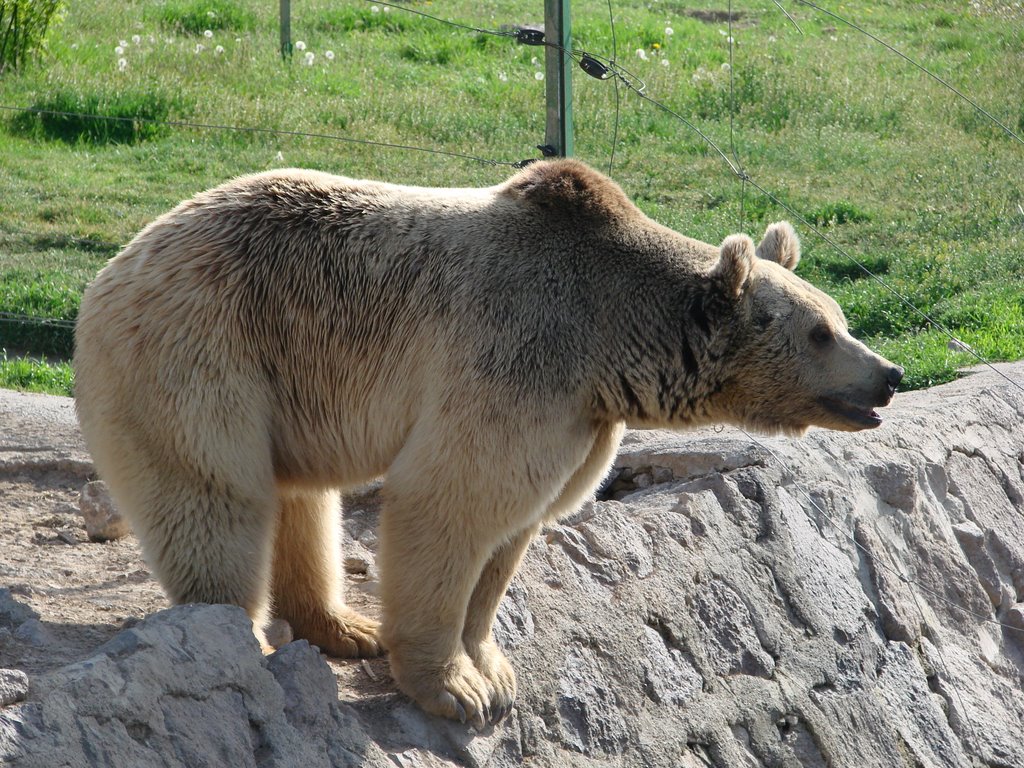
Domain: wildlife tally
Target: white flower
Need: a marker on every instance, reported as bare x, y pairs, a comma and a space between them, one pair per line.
218, 50
119, 51
538, 75
669, 31
208, 34
299, 45
641, 54
329, 55
122, 65
136, 39
200, 47
308, 58
503, 77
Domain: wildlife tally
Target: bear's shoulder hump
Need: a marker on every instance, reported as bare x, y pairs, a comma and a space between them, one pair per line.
572, 187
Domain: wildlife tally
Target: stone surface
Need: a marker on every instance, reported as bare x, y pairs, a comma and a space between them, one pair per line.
103, 521
844, 600
13, 686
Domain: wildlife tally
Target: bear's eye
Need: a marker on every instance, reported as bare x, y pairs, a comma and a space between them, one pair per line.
821, 335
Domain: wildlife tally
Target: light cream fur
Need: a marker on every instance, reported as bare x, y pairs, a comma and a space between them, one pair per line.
292, 333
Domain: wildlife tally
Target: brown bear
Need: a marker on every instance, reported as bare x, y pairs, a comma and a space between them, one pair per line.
292, 333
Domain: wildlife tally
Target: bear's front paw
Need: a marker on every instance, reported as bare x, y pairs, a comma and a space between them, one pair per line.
456, 691
496, 669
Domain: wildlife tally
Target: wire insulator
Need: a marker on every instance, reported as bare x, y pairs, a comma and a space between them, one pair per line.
529, 36
594, 68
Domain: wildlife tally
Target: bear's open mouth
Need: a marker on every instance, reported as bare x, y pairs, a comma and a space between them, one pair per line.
862, 416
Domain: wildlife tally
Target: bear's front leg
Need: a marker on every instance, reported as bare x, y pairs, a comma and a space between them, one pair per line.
431, 558
483, 607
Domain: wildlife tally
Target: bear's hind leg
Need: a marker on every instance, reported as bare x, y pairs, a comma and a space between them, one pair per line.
483, 607
307, 582
206, 539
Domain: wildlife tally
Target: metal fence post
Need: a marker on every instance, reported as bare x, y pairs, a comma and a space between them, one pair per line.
286, 29
558, 77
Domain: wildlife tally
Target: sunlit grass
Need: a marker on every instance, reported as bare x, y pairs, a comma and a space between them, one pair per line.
910, 181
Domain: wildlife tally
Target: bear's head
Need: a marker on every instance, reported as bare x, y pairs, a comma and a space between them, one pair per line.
793, 362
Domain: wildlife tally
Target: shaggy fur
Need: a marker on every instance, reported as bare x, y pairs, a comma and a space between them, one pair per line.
293, 333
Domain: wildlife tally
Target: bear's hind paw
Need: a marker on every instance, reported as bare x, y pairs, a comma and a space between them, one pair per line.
341, 633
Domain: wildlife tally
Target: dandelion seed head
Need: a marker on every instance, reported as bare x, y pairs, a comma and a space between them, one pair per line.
119, 51
122, 65
329, 55
136, 39
669, 31
374, 9
218, 50
538, 75
300, 45
122, 43
664, 62
208, 34
641, 54
503, 77
308, 58
200, 47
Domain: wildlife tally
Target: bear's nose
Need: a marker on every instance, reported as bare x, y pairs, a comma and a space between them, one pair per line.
895, 376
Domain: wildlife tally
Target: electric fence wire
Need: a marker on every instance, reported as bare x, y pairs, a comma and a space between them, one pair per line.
603, 69
732, 114
261, 130
612, 70
615, 85
921, 67
55, 322
878, 562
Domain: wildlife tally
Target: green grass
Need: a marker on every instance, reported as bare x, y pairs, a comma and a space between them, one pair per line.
35, 375
909, 180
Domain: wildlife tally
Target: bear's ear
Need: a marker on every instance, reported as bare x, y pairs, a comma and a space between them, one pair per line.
734, 264
780, 244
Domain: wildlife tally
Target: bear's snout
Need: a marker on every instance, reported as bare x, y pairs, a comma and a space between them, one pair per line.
894, 377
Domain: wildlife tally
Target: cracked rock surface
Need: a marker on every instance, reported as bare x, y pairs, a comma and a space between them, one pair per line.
841, 600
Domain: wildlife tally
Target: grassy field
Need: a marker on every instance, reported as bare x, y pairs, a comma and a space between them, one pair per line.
906, 178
